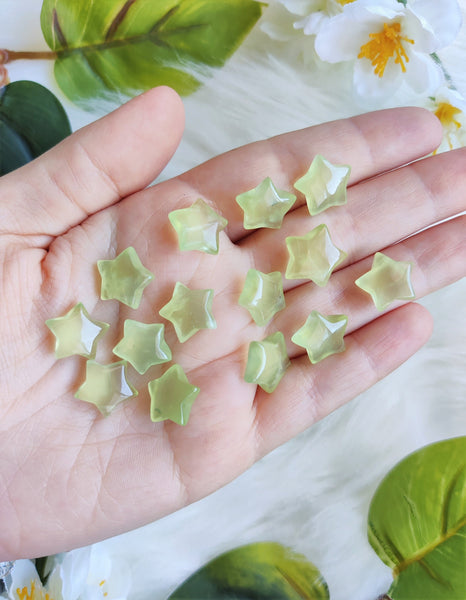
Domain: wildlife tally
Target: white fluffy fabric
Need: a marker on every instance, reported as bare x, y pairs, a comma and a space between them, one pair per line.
313, 493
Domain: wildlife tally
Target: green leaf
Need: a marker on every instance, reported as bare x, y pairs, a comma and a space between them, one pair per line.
259, 571
32, 120
111, 48
417, 523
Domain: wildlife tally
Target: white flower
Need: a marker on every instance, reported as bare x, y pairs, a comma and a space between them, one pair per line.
390, 43
84, 574
449, 107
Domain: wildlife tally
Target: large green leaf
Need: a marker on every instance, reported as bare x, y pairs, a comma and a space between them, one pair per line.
262, 571
109, 48
417, 523
32, 120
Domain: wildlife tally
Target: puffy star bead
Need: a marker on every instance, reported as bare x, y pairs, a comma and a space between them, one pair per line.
265, 205
189, 311
172, 396
388, 280
267, 362
124, 278
313, 256
76, 333
262, 295
143, 345
324, 185
321, 335
106, 386
198, 227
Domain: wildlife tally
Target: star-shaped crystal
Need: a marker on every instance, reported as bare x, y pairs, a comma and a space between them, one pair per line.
267, 362
265, 205
321, 335
324, 185
262, 295
388, 280
76, 333
313, 256
198, 227
106, 386
172, 396
124, 278
189, 311
143, 345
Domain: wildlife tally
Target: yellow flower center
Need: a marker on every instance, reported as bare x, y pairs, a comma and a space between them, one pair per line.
446, 114
382, 46
343, 2
30, 593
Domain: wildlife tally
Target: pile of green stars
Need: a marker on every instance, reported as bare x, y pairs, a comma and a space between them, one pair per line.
312, 256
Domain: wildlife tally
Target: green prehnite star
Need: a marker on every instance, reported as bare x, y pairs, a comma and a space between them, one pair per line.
313, 256
189, 311
265, 205
388, 280
262, 295
321, 335
143, 345
324, 185
76, 333
172, 396
124, 278
106, 386
267, 362
198, 227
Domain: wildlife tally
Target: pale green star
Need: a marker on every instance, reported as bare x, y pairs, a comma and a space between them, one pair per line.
262, 295
321, 335
388, 280
172, 396
198, 227
124, 278
106, 386
76, 333
189, 311
143, 345
324, 185
313, 256
265, 205
267, 362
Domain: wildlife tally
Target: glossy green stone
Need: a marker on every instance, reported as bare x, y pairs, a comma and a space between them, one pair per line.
313, 256
388, 280
189, 311
262, 295
267, 362
106, 386
265, 205
76, 333
321, 335
198, 227
124, 278
143, 345
172, 396
324, 185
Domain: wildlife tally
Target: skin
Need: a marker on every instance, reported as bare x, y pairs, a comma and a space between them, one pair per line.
68, 476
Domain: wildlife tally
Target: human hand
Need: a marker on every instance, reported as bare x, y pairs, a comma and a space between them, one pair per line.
68, 476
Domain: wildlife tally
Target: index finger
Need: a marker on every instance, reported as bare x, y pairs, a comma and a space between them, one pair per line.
370, 143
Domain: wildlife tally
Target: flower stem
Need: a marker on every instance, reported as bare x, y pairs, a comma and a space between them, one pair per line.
435, 57
7, 56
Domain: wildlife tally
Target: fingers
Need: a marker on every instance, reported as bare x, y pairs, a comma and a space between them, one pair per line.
307, 392
379, 212
437, 255
370, 143
94, 168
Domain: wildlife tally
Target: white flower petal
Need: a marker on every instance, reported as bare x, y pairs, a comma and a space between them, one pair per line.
312, 24
453, 97
444, 17
368, 84
422, 74
303, 7
341, 38
73, 571
24, 573
417, 29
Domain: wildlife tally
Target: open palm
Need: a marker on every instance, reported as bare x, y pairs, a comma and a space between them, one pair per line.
68, 476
